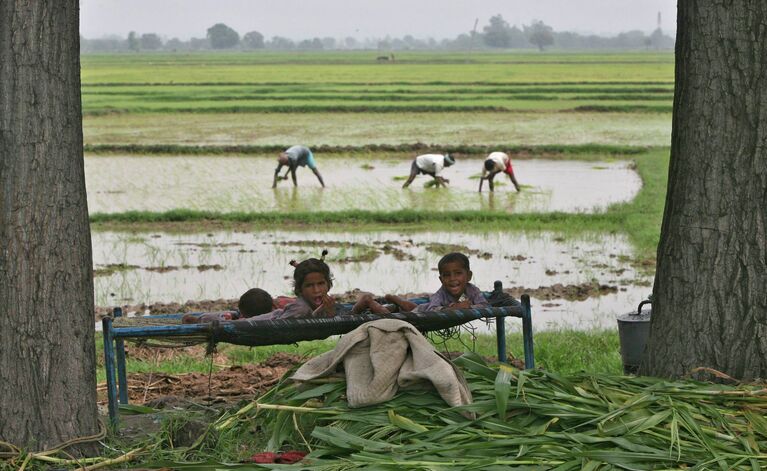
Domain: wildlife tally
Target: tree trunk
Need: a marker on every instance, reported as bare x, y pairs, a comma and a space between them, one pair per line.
710, 293
47, 351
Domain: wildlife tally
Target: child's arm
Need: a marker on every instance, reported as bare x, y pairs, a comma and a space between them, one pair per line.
366, 302
465, 304
327, 308
475, 297
403, 304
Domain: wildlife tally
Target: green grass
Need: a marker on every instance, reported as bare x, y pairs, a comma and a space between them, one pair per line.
370, 129
343, 82
371, 98
381, 151
360, 67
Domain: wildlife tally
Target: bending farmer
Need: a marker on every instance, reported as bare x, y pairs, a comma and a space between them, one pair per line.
496, 163
430, 164
294, 157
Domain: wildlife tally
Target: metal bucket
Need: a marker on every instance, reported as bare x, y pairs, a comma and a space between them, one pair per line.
633, 331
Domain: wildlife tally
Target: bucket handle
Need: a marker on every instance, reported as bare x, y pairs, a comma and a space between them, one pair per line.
639, 309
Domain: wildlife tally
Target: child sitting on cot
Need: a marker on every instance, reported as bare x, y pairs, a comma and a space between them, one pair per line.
311, 282
456, 291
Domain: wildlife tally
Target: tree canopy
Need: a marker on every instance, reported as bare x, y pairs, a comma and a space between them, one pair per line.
253, 40
222, 37
540, 34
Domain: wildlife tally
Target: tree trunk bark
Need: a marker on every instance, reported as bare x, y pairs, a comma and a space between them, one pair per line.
710, 293
47, 351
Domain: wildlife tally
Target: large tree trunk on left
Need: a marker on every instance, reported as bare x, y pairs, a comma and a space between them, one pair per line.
47, 351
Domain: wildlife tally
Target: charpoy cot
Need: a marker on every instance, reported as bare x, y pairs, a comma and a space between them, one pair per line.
261, 332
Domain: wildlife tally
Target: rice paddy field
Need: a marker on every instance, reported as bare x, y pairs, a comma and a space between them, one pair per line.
186, 142
180, 151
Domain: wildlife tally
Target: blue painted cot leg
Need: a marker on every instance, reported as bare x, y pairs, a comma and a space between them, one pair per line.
500, 337
122, 377
527, 332
500, 327
109, 368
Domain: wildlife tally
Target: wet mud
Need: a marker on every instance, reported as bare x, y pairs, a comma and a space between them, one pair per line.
594, 276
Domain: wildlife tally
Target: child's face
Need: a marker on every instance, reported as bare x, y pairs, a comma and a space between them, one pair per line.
314, 287
454, 278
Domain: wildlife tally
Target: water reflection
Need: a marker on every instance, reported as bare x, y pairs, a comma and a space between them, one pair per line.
158, 183
164, 267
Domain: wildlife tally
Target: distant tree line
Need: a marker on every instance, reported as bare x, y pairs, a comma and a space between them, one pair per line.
497, 34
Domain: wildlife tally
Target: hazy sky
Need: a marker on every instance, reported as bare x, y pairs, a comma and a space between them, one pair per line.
301, 19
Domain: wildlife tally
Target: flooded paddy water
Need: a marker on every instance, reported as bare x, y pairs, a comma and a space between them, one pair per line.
585, 281
230, 183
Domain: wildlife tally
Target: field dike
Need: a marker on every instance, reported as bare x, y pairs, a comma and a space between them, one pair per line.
516, 151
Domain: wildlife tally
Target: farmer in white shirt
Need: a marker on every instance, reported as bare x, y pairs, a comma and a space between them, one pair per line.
496, 163
430, 164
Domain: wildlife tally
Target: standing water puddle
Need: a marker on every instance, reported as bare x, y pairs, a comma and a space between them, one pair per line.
163, 267
152, 183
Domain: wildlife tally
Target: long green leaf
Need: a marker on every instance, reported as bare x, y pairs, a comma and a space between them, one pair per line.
503, 389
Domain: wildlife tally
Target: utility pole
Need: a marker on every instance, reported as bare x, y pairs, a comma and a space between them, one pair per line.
473, 35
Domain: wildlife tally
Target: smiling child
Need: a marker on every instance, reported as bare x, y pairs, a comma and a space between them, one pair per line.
456, 291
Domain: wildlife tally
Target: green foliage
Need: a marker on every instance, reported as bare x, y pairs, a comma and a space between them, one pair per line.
222, 36
540, 34
253, 40
532, 418
497, 33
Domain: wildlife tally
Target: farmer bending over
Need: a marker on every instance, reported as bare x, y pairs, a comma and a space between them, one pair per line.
294, 157
496, 163
430, 164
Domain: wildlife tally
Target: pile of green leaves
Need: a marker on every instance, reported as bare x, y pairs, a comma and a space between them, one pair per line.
534, 419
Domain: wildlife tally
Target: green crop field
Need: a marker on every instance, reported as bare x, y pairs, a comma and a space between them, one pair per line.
531, 104
348, 99
354, 82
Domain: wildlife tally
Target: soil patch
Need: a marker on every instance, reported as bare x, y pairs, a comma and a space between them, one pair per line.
579, 292
226, 385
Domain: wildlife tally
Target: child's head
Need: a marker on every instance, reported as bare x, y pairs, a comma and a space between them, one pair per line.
312, 279
255, 302
454, 273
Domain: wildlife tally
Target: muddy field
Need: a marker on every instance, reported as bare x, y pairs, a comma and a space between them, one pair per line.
224, 183
579, 283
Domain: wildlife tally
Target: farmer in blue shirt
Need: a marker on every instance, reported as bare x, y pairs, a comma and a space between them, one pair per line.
294, 157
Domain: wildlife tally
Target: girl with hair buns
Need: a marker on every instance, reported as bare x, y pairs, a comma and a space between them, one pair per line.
311, 283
